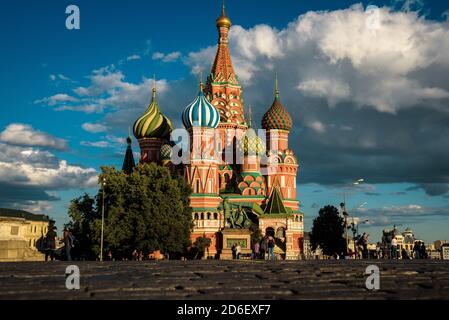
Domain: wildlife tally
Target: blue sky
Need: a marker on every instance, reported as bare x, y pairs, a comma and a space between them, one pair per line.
126, 42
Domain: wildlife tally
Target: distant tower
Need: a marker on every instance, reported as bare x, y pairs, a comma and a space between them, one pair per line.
128, 162
152, 130
282, 163
201, 119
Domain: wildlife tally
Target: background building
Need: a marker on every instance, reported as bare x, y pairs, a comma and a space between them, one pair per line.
21, 235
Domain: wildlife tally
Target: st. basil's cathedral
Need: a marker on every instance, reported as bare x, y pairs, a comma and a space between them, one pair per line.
230, 198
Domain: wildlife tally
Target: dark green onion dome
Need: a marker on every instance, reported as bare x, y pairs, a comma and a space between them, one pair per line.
166, 152
277, 117
153, 124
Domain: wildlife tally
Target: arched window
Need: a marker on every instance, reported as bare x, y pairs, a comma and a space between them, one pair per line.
208, 216
215, 215
300, 218
202, 216
196, 215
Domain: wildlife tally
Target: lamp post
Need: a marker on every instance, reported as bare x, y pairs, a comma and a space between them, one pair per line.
345, 212
103, 184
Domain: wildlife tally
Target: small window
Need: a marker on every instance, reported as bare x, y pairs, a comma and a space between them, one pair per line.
215, 216
14, 230
196, 216
208, 216
202, 216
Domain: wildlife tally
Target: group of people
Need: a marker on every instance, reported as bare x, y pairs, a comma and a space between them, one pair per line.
265, 246
419, 251
259, 251
50, 244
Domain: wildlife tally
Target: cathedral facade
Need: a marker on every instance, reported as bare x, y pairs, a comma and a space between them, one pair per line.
241, 178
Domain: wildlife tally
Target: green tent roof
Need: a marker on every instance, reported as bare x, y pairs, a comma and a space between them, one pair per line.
275, 204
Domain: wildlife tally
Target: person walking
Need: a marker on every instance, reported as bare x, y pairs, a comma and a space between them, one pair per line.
256, 250
233, 249
68, 239
422, 251
416, 250
262, 249
271, 245
50, 243
394, 248
238, 250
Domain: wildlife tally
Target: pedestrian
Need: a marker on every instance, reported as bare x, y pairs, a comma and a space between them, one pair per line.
416, 250
256, 250
271, 245
238, 250
423, 252
394, 248
68, 243
262, 249
233, 249
50, 243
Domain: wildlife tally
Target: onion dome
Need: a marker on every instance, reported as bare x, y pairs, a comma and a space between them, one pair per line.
251, 144
223, 20
277, 117
153, 124
166, 152
200, 113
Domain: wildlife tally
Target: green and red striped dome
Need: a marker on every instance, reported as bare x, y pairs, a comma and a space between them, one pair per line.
277, 117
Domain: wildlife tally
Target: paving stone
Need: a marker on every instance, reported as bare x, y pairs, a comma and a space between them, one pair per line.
228, 280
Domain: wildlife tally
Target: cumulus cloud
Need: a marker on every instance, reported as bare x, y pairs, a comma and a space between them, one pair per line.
133, 57
169, 57
25, 135
29, 176
60, 98
336, 55
94, 127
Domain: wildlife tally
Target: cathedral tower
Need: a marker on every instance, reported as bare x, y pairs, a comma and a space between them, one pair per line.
201, 119
152, 130
282, 164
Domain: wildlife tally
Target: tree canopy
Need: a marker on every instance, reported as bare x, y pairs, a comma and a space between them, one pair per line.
145, 211
327, 231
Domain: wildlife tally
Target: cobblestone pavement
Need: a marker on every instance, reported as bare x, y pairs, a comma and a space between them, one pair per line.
330, 279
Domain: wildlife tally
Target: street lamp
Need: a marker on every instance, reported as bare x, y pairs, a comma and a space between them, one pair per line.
345, 212
103, 184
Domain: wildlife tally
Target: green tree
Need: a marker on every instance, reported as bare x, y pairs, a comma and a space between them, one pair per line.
145, 211
84, 219
327, 231
201, 244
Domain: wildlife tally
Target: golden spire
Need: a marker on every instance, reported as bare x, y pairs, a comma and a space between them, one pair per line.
250, 117
201, 81
223, 20
154, 86
276, 92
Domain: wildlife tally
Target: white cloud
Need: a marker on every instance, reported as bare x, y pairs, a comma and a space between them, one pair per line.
60, 98
339, 57
94, 127
317, 126
24, 135
169, 57
96, 144
86, 108
133, 57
